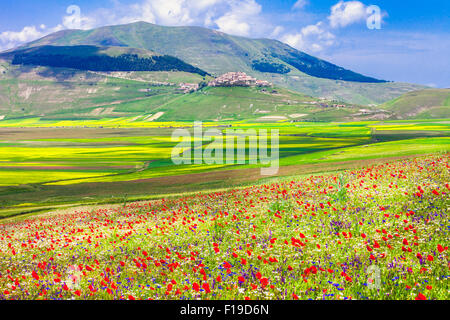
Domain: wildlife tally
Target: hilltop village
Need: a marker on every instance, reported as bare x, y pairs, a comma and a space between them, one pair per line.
241, 79
230, 79
237, 79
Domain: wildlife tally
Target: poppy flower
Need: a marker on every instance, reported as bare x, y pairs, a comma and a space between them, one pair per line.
35, 275
420, 296
196, 287
205, 287
264, 282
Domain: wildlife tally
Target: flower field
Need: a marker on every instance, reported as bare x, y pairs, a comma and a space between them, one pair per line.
380, 232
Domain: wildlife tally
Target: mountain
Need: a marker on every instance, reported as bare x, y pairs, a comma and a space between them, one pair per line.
214, 51
217, 53
422, 104
95, 58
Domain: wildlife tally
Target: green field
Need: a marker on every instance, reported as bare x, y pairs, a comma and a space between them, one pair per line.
49, 163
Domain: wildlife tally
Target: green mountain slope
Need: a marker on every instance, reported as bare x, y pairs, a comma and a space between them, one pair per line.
423, 104
96, 58
69, 94
217, 53
44, 91
239, 103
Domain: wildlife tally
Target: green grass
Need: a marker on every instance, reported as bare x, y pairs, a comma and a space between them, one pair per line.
423, 104
44, 166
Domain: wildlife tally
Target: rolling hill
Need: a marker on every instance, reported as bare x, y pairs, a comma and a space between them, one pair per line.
422, 104
70, 94
96, 58
217, 53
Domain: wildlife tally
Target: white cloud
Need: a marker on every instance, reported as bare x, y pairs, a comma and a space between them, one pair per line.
238, 17
300, 4
345, 13
11, 39
241, 17
276, 32
320, 36
76, 20
167, 12
312, 38
73, 20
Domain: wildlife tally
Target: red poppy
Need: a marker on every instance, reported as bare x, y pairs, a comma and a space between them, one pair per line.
420, 296
35, 275
205, 286
264, 282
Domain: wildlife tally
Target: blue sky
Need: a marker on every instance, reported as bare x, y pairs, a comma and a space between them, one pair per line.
412, 45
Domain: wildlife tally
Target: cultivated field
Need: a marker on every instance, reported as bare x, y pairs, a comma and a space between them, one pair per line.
48, 164
380, 232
